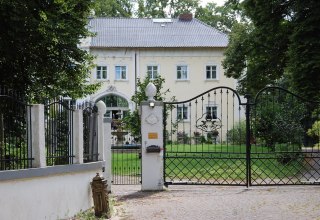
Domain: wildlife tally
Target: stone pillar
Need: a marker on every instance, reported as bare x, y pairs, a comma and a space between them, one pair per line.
78, 136
107, 152
101, 111
152, 142
38, 136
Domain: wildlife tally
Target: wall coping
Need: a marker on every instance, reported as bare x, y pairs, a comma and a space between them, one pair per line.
48, 171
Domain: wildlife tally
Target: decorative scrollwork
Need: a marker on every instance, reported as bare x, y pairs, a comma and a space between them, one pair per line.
207, 123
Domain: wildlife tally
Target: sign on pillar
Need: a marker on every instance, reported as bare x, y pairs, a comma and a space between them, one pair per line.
152, 142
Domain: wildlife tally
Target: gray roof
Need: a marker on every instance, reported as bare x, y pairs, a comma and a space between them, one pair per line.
145, 32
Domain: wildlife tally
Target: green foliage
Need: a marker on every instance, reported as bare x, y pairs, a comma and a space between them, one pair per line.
39, 47
278, 41
140, 95
165, 8
304, 49
286, 154
222, 18
314, 131
183, 138
279, 120
152, 8
113, 8
58, 133
178, 7
132, 120
237, 135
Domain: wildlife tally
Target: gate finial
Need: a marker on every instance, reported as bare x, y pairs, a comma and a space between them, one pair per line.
102, 108
151, 91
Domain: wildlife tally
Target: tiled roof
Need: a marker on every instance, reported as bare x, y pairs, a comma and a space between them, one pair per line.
144, 32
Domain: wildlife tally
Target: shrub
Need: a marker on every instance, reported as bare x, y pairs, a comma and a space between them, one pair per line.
183, 137
237, 135
287, 153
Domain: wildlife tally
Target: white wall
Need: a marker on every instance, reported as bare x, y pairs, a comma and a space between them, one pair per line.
53, 196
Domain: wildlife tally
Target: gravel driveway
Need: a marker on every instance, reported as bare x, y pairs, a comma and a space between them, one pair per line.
217, 202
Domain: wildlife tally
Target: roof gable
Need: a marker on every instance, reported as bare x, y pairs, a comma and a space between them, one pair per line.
144, 32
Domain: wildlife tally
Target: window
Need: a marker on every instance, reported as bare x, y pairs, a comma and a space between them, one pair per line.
182, 113
152, 71
211, 72
121, 72
212, 112
102, 72
182, 72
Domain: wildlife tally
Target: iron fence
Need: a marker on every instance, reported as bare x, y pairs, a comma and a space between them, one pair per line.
282, 150
126, 155
90, 133
15, 131
219, 138
204, 142
59, 133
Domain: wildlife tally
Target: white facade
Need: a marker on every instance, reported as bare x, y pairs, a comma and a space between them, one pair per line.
167, 61
187, 53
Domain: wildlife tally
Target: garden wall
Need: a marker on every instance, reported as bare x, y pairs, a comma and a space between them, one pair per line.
53, 193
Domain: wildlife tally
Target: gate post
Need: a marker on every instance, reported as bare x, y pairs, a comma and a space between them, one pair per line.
248, 144
152, 142
38, 136
107, 174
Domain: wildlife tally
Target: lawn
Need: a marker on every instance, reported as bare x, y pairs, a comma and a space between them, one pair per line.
210, 163
126, 162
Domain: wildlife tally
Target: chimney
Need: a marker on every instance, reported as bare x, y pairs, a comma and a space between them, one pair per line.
185, 17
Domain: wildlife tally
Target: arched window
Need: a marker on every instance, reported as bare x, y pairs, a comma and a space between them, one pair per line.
117, 106
114, 101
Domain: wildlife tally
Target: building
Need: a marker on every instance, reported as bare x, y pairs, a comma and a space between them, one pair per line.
185, 51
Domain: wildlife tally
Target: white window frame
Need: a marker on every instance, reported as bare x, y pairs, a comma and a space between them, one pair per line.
217, 72
152, 71
182, 72
216, 110
126, 72
101, 72
183, 108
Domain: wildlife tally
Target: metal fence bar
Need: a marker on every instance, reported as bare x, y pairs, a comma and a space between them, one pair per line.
59, 133
126, 155
15, 127
202, 143
277, 143
90, 134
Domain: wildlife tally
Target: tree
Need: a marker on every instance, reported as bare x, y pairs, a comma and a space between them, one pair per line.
220, 17
132, 120
165, 8
113, 8
269, 46
178, 7
304, 49
152, 8
39, 51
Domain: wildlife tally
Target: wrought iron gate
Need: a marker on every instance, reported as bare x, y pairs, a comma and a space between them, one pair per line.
220, 138
126, 155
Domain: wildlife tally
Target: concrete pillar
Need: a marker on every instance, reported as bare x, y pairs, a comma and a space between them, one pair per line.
101, 111
107, 152
78, 136
152, 135
38, 136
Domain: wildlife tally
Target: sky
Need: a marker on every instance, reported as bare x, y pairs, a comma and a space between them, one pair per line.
218, 2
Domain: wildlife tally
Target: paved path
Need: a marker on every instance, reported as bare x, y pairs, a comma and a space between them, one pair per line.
217, 202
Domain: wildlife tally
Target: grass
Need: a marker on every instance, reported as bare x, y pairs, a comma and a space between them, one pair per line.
126, 162
209, 162
89, 214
